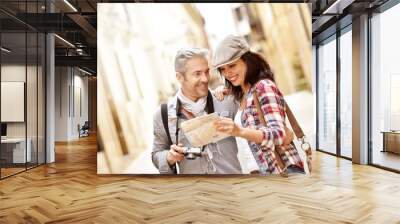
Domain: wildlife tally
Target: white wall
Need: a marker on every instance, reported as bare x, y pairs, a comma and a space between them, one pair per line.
12, 73
80, 103
33, 126
71, 94
62, 81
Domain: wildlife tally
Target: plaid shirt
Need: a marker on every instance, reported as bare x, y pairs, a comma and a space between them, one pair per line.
272, 104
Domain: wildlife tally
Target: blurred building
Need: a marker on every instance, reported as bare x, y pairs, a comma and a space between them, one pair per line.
282, 34
136, 63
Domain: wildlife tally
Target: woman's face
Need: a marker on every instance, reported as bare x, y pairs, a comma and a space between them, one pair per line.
235, 72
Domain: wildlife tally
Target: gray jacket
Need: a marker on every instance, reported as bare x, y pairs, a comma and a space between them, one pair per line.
224, 152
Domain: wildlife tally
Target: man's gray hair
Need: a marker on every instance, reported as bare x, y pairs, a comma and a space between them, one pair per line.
185, 54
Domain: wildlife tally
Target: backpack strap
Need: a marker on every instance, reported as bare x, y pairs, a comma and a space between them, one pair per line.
164, 117
210, 104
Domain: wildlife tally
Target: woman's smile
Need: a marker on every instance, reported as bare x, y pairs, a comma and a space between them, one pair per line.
233, 78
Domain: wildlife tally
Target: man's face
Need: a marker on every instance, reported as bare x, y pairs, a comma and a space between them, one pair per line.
195, 80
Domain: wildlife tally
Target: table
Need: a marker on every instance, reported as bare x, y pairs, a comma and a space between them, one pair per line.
391, 141
16, 147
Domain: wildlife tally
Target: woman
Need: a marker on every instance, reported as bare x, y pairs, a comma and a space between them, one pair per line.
248, 75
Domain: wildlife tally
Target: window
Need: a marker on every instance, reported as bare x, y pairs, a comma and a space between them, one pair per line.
385, 89
327, 95
346, 92
22, 65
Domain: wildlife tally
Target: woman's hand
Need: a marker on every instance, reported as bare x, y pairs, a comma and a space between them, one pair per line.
227, 126
220, 92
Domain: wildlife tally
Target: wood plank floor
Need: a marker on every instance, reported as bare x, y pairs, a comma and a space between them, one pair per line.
70, 191
10, 171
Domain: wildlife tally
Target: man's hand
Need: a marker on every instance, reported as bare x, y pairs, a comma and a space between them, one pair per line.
175, 154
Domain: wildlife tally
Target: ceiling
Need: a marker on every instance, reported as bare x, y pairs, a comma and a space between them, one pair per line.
76, 22
328, 16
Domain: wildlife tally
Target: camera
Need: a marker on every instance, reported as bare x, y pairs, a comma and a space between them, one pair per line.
191, 153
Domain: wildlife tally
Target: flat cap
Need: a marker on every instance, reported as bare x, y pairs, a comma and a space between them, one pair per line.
229, 50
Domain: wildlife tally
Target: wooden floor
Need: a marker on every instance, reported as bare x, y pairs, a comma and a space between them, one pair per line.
70, 191
388, 159
10, 171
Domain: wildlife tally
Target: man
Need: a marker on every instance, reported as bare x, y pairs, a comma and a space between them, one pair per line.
192, 100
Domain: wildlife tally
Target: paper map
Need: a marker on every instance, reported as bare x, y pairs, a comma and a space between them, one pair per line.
201, 131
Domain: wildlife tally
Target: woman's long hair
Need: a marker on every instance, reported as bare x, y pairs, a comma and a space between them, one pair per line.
257, 69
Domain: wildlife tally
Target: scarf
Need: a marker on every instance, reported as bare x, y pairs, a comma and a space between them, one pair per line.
196, 108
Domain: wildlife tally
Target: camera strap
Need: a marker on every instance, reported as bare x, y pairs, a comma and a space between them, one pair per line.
164, 114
